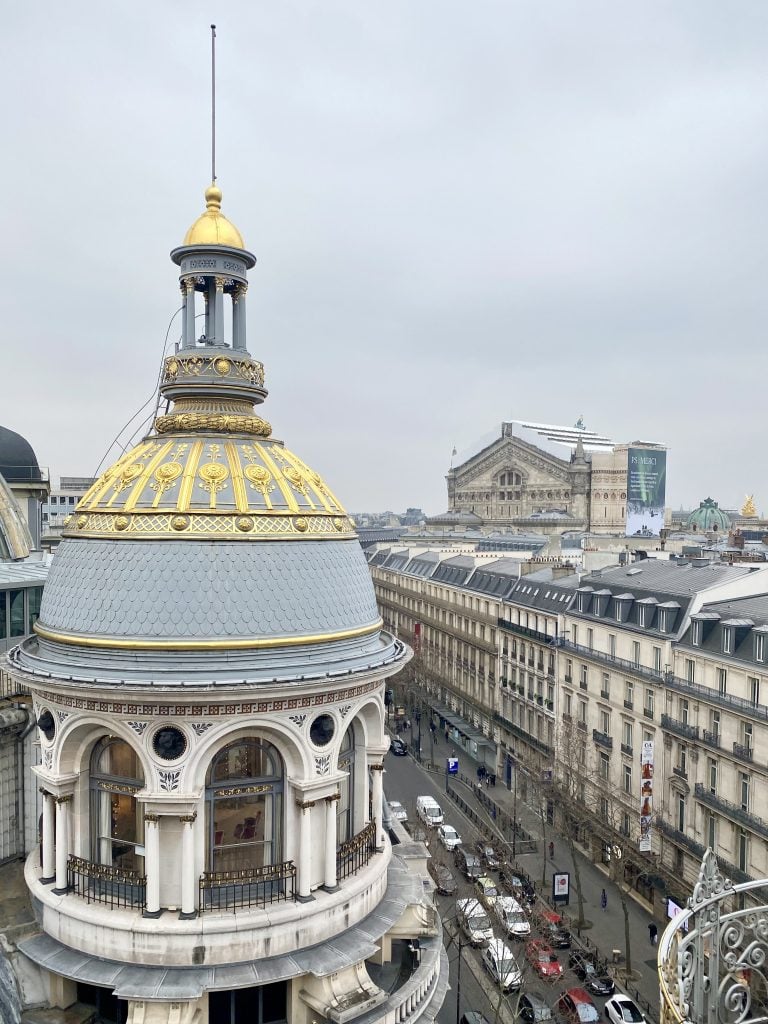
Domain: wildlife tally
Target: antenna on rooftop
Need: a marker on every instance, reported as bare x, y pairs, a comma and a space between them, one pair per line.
213, 103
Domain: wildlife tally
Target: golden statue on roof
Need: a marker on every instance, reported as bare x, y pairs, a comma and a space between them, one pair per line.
748, 509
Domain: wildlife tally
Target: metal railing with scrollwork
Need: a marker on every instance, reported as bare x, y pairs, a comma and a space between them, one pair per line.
356, 852
102, 883
247, 887
712, 956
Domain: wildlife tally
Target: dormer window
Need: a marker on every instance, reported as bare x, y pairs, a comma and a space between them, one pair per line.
759, 646
727, 640
618, 611
696, 633
664, 620
641, 615
582, 602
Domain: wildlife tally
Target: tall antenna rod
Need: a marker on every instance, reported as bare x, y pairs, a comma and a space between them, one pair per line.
213, 103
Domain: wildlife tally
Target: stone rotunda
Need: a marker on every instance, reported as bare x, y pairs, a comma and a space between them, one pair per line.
208, 679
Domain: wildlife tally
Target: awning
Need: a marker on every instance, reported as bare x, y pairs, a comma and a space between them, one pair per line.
460, 724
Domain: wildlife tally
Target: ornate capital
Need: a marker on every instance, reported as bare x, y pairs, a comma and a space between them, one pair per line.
63, 799
332, 798
219, 284
305, 804
376, 767
239, 292
188, 285
188, 819
151, 819
44, 791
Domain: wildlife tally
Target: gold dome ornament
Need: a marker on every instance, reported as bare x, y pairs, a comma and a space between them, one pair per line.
749, 509
212, 227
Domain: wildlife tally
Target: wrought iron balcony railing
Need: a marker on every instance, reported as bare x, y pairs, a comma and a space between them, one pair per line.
733, 811
602, 739
249, 887
102, 883
684, 729
356, 852
742, 751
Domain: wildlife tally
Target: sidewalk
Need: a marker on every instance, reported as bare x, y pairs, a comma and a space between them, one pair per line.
607, 931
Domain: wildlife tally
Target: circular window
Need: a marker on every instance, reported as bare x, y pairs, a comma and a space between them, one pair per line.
169, 743
47, 725
322, 729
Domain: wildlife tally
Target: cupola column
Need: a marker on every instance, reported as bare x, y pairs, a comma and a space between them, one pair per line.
152, 864
188, 866
305, 850
62, 842
49, 849
189, 312
218, 312
331, 881
208, 296
238, 317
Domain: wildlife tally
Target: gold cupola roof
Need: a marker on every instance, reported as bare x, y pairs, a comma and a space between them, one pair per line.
212, 227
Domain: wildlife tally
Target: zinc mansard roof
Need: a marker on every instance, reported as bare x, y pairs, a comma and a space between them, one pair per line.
746, 617
540, 591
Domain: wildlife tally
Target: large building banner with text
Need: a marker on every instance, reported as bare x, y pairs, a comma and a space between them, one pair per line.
646, 796
646, 491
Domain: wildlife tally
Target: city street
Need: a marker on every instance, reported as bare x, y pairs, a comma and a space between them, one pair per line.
405, 780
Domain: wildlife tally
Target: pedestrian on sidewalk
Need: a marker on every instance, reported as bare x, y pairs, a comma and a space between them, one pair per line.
604, 900
551, 850
653, 933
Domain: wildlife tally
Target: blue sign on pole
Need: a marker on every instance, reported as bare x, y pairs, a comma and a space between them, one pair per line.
452, 765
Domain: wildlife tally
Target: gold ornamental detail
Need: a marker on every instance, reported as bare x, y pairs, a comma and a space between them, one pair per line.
200, 366
264, 526
259, 477
219, 423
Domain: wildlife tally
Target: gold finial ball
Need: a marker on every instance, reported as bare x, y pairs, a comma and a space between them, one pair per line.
213, 197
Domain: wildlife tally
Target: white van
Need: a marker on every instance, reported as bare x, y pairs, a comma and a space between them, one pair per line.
512, 917
473, 921
429, 810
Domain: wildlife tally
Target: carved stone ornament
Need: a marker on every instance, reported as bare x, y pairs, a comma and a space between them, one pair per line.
200, 728
323, 764
48, 760
298, 720
169, 779
62, 716
138, 727
344, 711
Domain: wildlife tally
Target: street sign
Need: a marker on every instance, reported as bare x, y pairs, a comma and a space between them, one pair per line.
452, 765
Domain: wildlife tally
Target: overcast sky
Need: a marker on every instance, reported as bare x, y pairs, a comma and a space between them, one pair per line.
462, 213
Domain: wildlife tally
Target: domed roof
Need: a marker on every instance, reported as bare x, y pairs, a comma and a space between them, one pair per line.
18, 461
212, 227
15, 540
708, 516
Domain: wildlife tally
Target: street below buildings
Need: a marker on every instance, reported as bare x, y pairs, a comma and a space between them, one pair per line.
405, 780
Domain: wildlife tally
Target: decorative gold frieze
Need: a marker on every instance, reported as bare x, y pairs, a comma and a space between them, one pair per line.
266, 525
223, 423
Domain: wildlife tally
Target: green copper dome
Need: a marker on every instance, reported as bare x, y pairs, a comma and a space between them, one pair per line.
708, 517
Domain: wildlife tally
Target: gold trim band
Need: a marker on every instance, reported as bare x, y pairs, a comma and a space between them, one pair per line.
202, 645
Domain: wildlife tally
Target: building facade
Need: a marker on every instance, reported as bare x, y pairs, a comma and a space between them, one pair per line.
207, 673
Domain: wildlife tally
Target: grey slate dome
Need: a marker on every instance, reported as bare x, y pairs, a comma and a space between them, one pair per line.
18, 461
209, 549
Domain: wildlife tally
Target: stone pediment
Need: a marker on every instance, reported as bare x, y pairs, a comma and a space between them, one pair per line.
514, 453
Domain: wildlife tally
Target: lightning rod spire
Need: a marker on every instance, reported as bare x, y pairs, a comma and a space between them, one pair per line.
213, 103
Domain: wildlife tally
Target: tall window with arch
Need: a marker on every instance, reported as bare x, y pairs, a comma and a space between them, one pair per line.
244, 806
117, 818
345, 816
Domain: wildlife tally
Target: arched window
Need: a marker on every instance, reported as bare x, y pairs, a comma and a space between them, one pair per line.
345, 818
244, 806
117, 818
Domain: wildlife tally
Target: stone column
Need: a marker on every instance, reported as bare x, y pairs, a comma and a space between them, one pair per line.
189, 312
305, 851
152, 864
188, 867
331, 881
49, 848
218, 312
62, 842
208, 300
238, 318
377, 797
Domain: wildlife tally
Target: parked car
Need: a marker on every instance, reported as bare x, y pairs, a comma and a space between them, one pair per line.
541, 958
473, 1017
512, 918
518, 887
399, 747
577, 1007
553, 929
501, 965
429, 811
597, 982
444, 881
449, 837
397, 811
467, 863
486, 888
474, 922
488, 856
533, 1009
620, 1009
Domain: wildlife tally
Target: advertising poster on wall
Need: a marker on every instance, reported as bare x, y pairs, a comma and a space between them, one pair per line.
646, 796
646, 491
561, 887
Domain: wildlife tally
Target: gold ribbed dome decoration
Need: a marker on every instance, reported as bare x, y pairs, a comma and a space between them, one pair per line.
202, 486
212, 227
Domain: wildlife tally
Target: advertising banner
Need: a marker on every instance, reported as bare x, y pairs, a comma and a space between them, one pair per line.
646, 796
646, 491
561, 887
